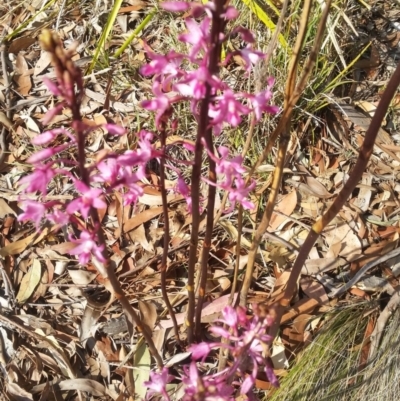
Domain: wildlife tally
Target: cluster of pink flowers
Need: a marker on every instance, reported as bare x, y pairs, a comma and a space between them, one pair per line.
247, 343
116, 172
173, 83
122, 172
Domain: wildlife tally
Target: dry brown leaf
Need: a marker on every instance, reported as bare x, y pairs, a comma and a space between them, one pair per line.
32, 126
317, 188
159, 339
106, 347
63, 247
22, 78
89, 319
174, 140
87, 385
314, 290
233, 232
359, 293
367, 107
364, 195
36, 323
155, 200
138, 236
342, 233
278, 355
42, 287
209, 313
123, 22
5, 209
136, 5
177, 359
292, 340
5, 121
139, 219
279, 287
315, 266
43, 62
263, 385
21, 44
148, 313
305, 305
222, 277
81, 277
17, 393
300, 323
29, 282
285, 205
44, 396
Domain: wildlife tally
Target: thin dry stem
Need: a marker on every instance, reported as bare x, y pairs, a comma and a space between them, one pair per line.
70, 75
166, 239
278, 29
355, 176
283, 145
204, 132
299, 89
7, 84
379, 329
223, 353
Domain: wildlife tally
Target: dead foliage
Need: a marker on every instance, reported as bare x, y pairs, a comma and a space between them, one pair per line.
60, 334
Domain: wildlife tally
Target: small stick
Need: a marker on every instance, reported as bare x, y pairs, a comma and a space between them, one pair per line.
376, 335
365, 153
284, 142
358, 276
164, 259
3, 143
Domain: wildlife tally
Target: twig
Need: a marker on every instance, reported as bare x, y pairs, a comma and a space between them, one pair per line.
355, 176
69, 74
203, 133
166, 237
298, 91
278, 28
58, 352
3, 142
358, 276
284, 141
217, 28
376, 335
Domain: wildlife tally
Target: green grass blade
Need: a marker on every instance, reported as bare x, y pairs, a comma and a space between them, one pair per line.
136, 32
28, 21
107, 29
347, 69
264, 18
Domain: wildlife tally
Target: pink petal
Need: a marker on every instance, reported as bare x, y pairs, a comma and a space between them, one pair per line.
231, 13
200, 351
42, 155
220, 331
51, 86
52, 113
247, 385
114, 129
44, 138
174, 6
99, 203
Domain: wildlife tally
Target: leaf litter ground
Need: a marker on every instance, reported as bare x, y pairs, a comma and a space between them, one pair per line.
55, 313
